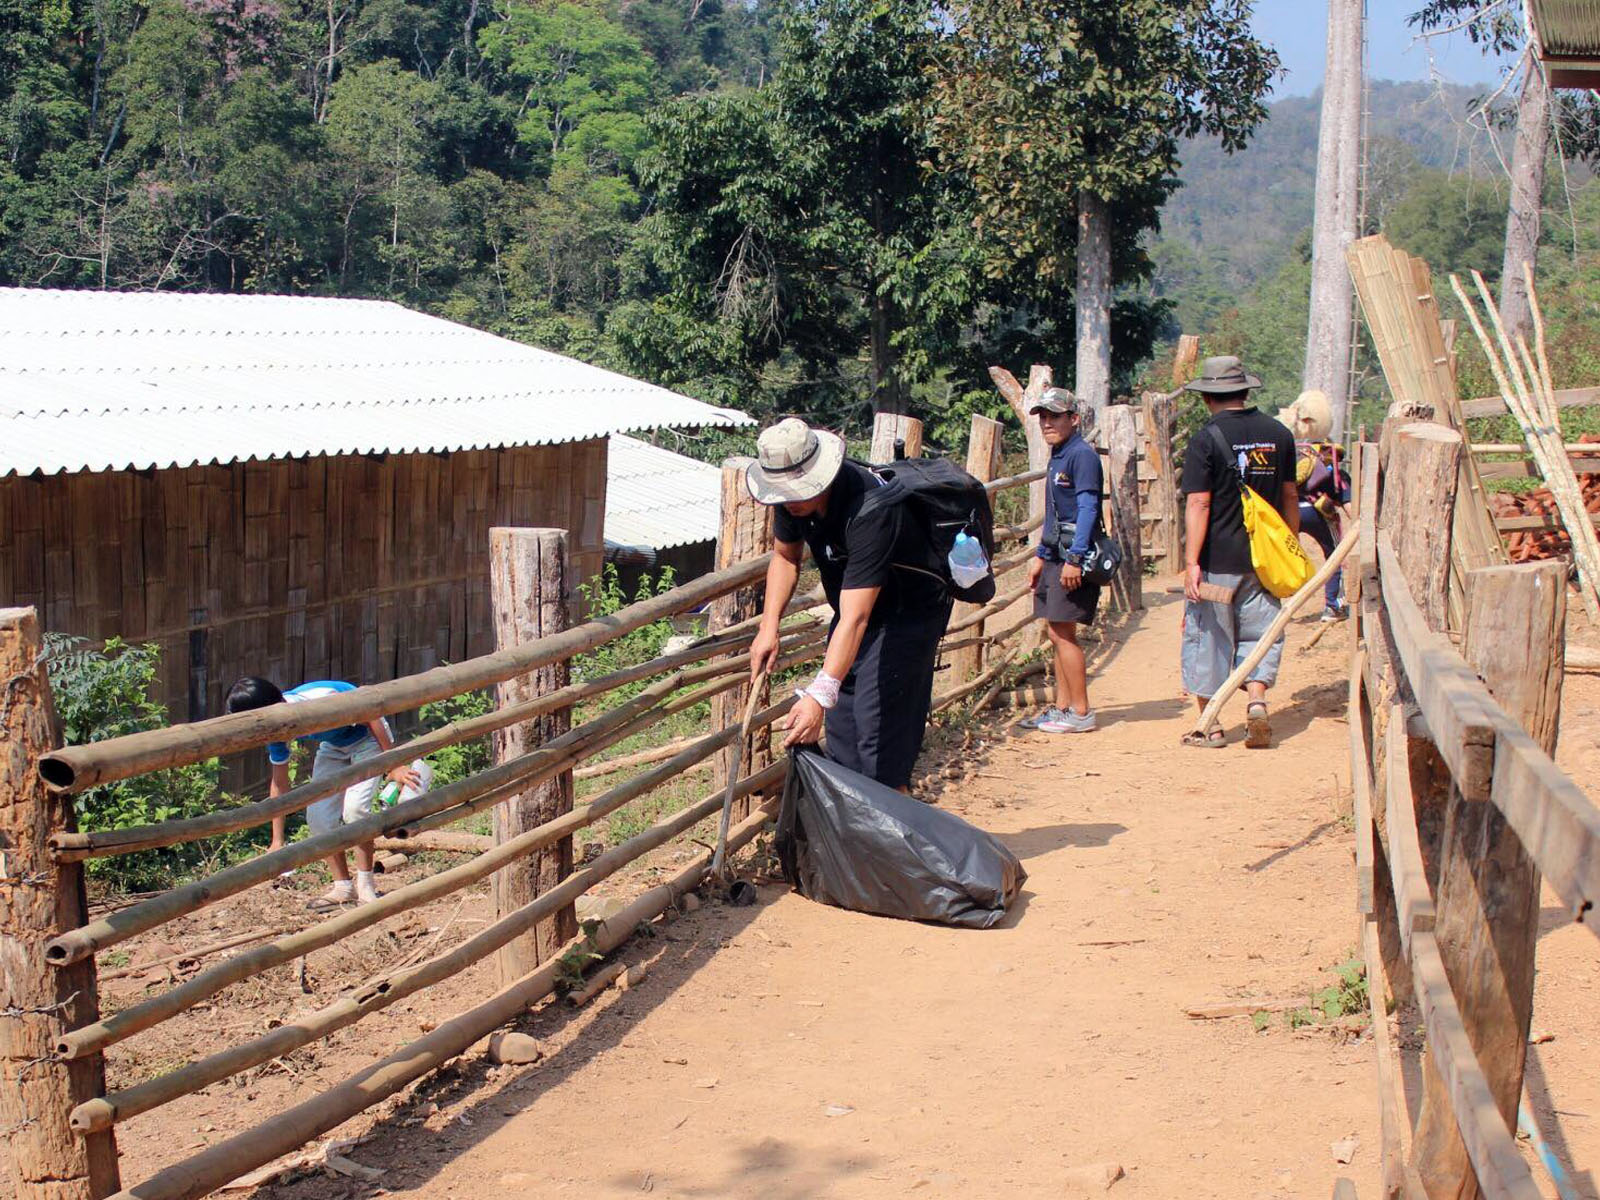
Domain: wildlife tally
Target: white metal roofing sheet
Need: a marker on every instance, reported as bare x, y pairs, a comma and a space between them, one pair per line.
95, 381
659, 499
1567, 28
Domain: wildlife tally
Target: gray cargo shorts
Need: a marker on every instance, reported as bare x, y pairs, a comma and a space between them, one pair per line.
1218, 637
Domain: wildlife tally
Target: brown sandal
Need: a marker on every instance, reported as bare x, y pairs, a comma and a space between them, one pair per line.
1215, 740
1257, 729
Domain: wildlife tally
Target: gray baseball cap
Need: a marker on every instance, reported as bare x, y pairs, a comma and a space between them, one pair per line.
1055, 400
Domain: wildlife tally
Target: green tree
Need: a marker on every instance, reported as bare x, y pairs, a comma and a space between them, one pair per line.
799, 236
1067, 116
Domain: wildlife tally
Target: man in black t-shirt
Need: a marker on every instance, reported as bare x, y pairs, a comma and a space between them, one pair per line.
1228, 611
890, 603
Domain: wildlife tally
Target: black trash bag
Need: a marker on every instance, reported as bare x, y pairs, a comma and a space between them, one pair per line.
847, 840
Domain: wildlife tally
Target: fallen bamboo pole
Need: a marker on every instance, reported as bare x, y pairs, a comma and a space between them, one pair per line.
609, 766
294, 1127
459, 799
385, 990
242, 939
942, 702
442, 842
74, 768
71, 847
1286, 613
110, 1030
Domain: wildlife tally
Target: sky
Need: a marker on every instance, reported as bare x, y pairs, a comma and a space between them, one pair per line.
1298, 30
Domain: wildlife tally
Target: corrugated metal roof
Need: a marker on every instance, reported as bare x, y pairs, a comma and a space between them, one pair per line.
93, 381
659, 499
1566, 28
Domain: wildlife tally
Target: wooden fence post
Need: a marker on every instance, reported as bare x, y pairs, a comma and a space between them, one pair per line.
528, 586
745, 533
1184, 360
889, 428
983, 463
1021, 400
1166, 519
1122, 487
1487, 922
38, 900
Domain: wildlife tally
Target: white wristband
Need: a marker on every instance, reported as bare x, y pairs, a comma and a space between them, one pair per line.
824, 689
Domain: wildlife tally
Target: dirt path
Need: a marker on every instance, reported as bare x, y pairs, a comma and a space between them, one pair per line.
794, 1050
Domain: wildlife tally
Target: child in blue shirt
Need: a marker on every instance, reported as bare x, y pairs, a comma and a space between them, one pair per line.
337, 749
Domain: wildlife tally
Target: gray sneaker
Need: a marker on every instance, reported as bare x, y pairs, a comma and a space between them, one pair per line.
1069, 722
1038, 719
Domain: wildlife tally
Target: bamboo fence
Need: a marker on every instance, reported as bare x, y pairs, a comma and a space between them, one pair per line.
673, 683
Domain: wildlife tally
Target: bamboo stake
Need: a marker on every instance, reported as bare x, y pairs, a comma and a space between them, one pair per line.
461, 798
1013, 481
719, 857
75, 768
1535, 418
385, 990
1292, 605
287, 1130
113, 1029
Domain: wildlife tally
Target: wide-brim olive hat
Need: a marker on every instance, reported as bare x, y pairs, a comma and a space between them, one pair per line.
793, 462
1222, 375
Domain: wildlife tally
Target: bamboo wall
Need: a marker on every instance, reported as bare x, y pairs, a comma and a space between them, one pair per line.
363, 568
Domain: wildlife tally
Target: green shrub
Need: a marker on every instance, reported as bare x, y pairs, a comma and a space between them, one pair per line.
464, 758
603, 596
106, 693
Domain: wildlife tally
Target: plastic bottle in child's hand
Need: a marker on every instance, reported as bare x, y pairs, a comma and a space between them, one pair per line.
388, 794
968, 563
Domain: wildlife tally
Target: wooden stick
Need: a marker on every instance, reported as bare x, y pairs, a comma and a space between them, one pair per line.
597, 983
1292, 605
125, 1024
447, 843
386, 990
74, 768
287, 1130
243, 939
719, 857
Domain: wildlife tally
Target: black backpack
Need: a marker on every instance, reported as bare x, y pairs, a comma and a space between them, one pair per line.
946, 501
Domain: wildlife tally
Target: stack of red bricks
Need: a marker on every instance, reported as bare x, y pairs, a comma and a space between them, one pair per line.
1533, 544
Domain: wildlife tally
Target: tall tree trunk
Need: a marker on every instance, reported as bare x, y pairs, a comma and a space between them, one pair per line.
1092, 304
1328, 330
887, 394
1527, 195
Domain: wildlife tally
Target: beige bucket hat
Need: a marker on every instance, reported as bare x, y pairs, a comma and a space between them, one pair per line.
793, 462
1222, 375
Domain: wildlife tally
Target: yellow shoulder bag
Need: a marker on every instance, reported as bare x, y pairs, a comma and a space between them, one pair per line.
1280, 561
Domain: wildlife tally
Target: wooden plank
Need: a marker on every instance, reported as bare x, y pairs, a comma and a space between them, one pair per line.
1502, 1173
1360, 786
1123, 441
1526, 469
1495, 406
1488, 889
1523, 524
1489, 754
888, 428
1418, 509
1393, 1118
1412, 897
1454, 703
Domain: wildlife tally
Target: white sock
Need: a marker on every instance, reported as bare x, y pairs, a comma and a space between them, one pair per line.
364, 879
